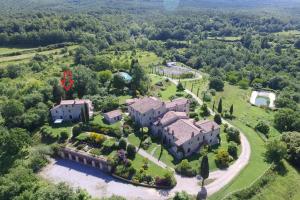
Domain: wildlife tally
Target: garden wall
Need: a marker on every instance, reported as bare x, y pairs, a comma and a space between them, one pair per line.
86, 159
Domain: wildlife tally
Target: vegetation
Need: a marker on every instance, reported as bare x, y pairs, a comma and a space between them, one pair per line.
239, 50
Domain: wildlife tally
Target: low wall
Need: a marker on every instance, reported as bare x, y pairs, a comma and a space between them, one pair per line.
85, 158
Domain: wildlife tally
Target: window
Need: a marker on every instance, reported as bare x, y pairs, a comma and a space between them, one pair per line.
189, 150
56, 111
158, 112
198, 139
61, 117
70, 117
69, 111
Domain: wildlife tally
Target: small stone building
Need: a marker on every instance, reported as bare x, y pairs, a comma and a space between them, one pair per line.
113, 116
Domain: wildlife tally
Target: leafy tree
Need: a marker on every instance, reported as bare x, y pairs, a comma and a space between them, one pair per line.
11, 112
118, 82
220, 106
297, 44
204, 169
262, 127
287, 120
204, 110
140, 80
218, 119
275, 151
292, 140
180, 87
185, 168
232, 149
122, 144
131, 151
216, 83
233, 135
105, 76
246, 40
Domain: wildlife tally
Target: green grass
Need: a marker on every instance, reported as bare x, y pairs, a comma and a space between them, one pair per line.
6, 50
122, 99
30, 55
201, 84
153, 169
285, 186
99, 120
57, 130
246, 117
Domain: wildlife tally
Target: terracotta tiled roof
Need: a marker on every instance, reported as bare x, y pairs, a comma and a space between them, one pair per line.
183, 130
146, 104
177, 102
171, 115
207, 125
114, 113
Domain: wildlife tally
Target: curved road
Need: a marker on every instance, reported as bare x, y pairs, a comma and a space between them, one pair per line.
99, 184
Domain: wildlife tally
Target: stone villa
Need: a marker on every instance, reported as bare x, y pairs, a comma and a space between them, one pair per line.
70, 110
170, 121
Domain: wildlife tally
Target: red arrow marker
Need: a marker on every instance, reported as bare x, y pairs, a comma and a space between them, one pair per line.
67, 77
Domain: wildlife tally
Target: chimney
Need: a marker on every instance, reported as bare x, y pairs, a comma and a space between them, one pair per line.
173, 132
213, 127
193, 134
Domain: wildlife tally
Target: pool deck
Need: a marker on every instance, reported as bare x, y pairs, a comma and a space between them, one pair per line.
270, 95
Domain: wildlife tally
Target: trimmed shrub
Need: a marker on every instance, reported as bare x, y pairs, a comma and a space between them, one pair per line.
185, 168
131, 151
122, 144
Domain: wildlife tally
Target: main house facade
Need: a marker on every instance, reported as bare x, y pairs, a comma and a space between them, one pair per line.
71, 110
170, 121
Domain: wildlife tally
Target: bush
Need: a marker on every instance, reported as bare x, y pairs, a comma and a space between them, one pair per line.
292, 140
95, 151
108, 145
262, 127
64, 136
147, 143
207, 97
122, 144
185, 168
131, 151
167, 180
97, 138
193, 114
233, 149
182, 196
223, 158
233, 135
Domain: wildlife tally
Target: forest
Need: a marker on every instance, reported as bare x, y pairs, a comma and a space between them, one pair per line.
253, 49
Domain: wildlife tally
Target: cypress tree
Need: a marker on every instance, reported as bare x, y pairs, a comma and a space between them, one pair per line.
220, 108
231, 110
204, 169
86, 112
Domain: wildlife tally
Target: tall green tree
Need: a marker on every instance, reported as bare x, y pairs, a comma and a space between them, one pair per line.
204, 169
140, 80
220, 106
231, 110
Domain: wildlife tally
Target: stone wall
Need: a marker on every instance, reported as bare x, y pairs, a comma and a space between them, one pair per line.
86, 159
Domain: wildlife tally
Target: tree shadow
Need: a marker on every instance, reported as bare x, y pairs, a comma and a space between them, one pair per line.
280, 168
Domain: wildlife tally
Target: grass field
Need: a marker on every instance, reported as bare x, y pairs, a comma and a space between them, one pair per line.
246, 117
30, 55
285, 186
99, 120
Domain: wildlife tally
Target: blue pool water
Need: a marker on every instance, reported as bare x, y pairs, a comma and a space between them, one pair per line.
262, 101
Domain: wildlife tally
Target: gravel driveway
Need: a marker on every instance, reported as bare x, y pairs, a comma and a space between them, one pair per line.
97, 183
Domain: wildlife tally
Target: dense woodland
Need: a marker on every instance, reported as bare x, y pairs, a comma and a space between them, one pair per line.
241, 48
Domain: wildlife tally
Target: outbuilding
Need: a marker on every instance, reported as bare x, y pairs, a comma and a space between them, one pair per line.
113, 116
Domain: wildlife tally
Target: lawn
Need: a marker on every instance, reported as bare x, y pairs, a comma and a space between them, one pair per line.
56, 130
153, 169
99, 120
286, 183
166, 91
246, 117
